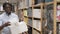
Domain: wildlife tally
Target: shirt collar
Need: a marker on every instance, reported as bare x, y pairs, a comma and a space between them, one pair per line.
7, 15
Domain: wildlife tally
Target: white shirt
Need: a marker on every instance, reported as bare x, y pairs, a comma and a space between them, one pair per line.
5, 18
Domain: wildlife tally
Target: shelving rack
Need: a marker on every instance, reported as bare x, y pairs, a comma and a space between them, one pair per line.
42, 14
29, 7
56, 22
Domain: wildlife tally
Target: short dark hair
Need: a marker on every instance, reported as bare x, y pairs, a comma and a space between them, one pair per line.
4, 5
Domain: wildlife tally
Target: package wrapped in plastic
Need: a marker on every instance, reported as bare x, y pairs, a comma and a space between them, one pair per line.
23, 27
18, 27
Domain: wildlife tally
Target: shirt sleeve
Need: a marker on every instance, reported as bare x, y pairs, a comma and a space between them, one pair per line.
1, 21
16, 18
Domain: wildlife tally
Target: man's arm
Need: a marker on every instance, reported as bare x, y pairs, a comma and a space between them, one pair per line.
1, 27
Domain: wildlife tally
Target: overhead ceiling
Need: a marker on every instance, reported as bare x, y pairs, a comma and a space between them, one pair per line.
11, 1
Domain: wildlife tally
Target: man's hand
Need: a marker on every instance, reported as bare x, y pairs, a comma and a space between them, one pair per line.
6, 24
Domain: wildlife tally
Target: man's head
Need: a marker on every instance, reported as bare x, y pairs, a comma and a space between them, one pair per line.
7, 7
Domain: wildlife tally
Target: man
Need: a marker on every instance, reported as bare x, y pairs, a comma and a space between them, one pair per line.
5, 17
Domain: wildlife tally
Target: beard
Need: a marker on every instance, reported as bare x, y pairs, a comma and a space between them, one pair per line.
8, 13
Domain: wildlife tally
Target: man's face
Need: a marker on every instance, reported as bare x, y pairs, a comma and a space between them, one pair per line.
8, 8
